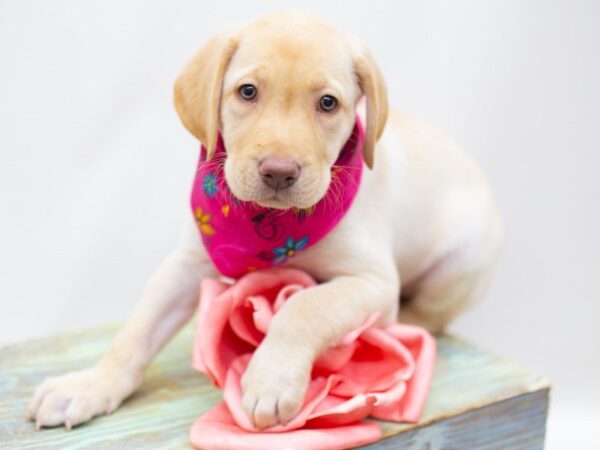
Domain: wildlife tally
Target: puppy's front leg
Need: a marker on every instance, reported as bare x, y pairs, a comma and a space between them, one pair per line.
277, 377
166, 304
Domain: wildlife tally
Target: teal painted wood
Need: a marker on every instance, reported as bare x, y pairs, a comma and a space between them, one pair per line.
477, 401
518, 423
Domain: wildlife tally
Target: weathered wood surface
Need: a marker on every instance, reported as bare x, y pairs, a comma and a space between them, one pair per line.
478, 401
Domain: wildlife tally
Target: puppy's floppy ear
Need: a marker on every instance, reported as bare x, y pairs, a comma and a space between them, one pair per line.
373, 87
198, 89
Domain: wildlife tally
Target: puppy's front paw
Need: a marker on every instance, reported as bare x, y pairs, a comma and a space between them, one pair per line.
274, 387
76, 397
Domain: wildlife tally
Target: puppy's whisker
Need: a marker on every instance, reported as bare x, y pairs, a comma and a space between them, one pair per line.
336, 166
333, 197
338, 190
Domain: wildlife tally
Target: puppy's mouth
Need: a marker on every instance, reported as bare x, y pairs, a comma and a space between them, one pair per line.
289, 198
274, 199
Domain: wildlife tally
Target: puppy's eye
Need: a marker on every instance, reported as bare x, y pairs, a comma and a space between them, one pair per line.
248, 91
328, 103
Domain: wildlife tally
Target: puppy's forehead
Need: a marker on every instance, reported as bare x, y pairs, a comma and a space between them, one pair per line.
294, 51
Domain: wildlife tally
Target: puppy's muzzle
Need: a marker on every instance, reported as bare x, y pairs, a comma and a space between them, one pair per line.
278, 173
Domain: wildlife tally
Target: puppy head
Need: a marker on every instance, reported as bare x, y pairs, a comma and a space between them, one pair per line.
283, 92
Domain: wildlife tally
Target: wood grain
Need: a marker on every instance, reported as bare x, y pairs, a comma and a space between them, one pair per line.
477, 401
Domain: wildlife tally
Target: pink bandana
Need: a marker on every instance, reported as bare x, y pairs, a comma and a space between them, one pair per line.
241, 237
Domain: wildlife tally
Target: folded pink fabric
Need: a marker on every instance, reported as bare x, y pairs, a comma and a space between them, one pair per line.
380, 372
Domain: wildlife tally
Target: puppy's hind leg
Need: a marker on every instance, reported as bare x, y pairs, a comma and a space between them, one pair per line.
452, 285
441, 297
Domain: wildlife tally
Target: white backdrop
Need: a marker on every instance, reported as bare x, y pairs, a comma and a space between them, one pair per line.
95, 167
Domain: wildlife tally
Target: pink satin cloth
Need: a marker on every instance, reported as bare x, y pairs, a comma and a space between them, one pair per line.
385, 372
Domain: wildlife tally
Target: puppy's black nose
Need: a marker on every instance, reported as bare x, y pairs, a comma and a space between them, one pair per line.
278, 173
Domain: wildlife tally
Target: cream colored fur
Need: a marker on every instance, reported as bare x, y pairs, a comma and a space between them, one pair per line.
423, 222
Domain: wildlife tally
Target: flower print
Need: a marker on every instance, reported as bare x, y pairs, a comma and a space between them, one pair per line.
268, 227
203, 221
209, 184
289, 249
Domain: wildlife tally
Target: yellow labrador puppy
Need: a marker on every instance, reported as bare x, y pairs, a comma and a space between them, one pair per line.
289, 86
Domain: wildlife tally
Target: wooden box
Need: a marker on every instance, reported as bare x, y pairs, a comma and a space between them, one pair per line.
478, 401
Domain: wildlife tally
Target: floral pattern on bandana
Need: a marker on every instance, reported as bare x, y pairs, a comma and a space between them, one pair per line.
203, 221
289, 249
209, 184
